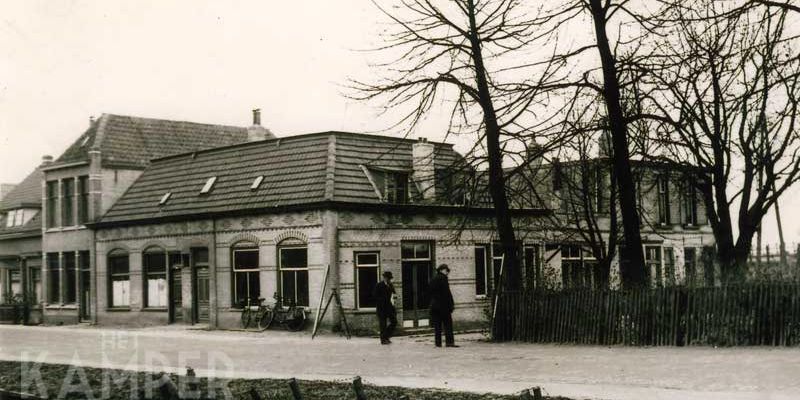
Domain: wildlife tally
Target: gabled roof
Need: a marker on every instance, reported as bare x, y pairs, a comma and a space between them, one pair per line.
297, 170
131, 142
27, 194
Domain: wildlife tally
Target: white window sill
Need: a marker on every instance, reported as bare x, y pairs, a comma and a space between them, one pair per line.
65, 229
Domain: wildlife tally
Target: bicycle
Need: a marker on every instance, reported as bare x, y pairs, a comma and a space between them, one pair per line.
293, 317
261, 315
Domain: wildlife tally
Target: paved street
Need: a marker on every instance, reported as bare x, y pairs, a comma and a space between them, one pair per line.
573, 371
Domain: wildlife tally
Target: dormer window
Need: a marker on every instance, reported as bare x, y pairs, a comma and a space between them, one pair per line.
396, 187
257, 182
165, 198
209, 185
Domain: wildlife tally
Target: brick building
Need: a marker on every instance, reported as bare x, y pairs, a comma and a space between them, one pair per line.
83, 183
199, 233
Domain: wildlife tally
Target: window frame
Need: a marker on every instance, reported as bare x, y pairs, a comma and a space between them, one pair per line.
53, 290
357, 267
146, 274
242, 247
486, 271
294, 270
208, 187
68, 202
70, 267
690, 204
663, 203
83, 200
657, 264
396, 182
51, 203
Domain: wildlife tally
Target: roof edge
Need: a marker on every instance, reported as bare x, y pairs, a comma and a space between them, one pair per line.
327, 204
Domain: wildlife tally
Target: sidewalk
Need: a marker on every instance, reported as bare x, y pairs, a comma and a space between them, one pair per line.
573, 371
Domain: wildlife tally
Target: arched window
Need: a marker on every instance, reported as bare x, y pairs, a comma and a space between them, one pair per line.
293, 266
154, 267
119, 279
246, 283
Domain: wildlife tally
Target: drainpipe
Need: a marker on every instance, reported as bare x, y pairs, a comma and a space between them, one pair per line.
212, 271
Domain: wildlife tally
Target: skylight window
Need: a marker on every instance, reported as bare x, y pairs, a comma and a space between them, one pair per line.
257, 182
85, 140
209, 185
164, 198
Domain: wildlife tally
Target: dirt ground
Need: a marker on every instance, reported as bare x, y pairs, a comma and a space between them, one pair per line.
477, 366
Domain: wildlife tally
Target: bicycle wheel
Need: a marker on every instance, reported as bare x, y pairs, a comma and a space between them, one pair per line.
266, 320
246, 318
297, 322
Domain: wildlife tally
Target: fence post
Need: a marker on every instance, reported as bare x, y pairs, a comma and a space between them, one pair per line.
295, 389
358, 388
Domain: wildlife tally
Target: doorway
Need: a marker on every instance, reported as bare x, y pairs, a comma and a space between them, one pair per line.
175, 287
417, 270
201, 285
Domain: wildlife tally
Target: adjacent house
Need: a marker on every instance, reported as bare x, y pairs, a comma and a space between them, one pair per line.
83, 183
21, 242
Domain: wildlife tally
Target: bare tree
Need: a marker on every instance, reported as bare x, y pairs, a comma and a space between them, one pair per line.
728, 103
457, 53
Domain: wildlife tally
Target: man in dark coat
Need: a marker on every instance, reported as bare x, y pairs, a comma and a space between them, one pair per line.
442, 307
385, 298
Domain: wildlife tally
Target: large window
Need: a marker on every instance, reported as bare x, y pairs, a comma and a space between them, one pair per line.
67, 202
481, 271
119, 280
83, 200
663, 199
669, 266
246, 283
53, 279
396, 187
690, 204
577, 267
70, 277
367, 276
154, 263
52, 201
293, 264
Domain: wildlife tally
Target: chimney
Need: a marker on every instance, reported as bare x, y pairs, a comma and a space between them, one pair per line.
534, 153
47, 160
424, 172
256, 132
605, 150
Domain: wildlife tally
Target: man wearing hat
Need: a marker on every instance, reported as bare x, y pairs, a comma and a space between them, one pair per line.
385, 298
442, 306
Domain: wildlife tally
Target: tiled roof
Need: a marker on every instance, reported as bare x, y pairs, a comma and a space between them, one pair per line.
27, 194
297, 170
132, 142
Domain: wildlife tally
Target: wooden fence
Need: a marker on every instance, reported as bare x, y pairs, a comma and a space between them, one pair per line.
757, 314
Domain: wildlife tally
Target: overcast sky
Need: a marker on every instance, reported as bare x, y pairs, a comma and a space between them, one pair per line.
64, 61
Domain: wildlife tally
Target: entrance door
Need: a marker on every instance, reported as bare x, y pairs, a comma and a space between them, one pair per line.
201, 285
417, 270
85, 295
175, 294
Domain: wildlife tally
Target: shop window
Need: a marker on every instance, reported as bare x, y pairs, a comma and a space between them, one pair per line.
293, 265
367, 276
246, 283
119, 280
154, 263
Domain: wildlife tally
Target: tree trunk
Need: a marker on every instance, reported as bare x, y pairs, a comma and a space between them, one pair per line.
631, 270
505, 227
